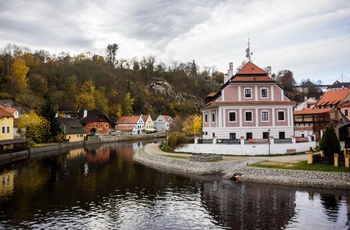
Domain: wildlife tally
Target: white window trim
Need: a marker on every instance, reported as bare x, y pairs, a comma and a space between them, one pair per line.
245, 115
251, 93
235, 121
268, 116
205, 116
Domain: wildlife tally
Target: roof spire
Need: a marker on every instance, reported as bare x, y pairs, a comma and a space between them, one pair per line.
247, 51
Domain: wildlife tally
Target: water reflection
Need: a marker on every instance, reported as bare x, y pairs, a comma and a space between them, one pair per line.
100, 187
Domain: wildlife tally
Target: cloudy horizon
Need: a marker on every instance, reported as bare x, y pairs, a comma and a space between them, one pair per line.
310, 38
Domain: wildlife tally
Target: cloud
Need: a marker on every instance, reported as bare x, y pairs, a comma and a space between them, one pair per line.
310, 38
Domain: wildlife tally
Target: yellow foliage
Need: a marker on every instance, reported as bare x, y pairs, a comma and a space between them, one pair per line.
192, 125
19, 72
34, 127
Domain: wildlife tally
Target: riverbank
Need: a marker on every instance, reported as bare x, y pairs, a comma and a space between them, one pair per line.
152, 156
57, 147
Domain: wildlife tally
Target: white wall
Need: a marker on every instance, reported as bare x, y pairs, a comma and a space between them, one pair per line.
247, 149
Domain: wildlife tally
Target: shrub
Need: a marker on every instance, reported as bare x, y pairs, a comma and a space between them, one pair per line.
329, 142
178, 139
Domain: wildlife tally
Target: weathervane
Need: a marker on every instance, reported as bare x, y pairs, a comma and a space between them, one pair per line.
247, 51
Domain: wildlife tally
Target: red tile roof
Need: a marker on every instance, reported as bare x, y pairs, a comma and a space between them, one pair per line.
312, 111
124, 128
251, 73
333, 97
4, 112
127, 120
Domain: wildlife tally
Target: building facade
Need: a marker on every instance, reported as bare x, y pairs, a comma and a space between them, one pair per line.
250, 105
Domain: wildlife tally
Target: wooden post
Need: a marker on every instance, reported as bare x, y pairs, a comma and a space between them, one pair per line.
346, 156
322, 153
336, 155
309, 157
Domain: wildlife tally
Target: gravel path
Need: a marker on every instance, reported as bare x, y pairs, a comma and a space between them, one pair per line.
152, 156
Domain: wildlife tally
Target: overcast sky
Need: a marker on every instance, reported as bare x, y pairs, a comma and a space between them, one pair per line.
309, 37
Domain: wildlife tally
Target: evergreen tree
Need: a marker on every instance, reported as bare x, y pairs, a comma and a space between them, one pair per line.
329, 142
49, 113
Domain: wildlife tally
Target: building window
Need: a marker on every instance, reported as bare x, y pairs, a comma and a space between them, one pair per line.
213, 117
264, 93
249, 136
205, 117
8, 129
265, 135
213, 134
247, 93
265, 116
248, 116
346, 112
281, 115
281, 135
3, 129
233, 136
232, 116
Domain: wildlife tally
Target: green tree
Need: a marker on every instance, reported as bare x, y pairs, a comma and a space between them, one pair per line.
127, 105
329, 142
33, 127
49, 113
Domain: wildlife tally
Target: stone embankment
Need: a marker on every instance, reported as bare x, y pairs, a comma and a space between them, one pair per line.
241, 166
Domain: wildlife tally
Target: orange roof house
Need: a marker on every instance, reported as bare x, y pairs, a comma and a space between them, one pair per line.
130, 124
332, 108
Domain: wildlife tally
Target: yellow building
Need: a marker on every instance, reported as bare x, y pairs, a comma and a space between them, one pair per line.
6, 124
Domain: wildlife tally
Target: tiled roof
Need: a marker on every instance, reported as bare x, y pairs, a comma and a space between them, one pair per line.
251, 73
124, 128
92, 116
71, 125
4, 112
312, 111
345, 104
333, 97
251, 68
127, 120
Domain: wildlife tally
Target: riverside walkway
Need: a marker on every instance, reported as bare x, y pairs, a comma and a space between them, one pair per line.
152, 156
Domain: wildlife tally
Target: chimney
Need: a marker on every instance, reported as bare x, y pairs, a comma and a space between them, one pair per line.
230, 73
268, 70
85, 113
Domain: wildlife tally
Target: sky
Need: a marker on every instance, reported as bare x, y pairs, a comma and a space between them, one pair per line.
311, 38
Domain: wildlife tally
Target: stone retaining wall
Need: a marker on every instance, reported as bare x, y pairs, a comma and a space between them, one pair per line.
301, 178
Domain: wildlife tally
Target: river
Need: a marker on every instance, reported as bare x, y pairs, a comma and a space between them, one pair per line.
101, 187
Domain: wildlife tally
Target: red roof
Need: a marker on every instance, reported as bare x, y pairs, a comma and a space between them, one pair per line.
124, 128
333, 97
4, 112
312, 111
127, 120
251, 72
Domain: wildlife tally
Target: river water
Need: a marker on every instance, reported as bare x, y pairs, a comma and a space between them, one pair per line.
101, 187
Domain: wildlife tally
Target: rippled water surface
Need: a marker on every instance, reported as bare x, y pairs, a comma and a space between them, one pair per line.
100, 187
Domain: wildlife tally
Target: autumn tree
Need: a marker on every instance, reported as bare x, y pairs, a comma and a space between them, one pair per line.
192, 125
85, 99
33, 127
127, 105
18, 76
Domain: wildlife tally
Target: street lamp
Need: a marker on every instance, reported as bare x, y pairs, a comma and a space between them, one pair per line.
268, 132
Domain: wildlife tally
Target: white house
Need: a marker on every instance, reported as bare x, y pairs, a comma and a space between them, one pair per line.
162, 123
250, 105
130, 124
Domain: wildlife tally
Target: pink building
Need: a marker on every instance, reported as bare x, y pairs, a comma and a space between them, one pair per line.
250, 105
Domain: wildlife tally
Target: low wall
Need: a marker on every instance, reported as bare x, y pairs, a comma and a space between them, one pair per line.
99, 139
247, 149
